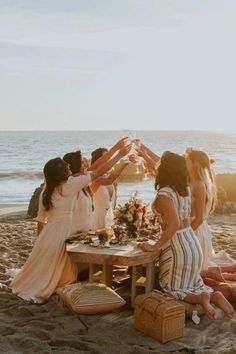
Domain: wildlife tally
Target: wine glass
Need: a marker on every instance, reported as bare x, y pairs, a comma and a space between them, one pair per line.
128, 134
137, 144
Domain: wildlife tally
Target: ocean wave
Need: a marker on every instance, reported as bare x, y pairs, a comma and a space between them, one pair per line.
27, 174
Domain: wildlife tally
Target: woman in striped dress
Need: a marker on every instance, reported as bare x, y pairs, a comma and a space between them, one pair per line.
181, 255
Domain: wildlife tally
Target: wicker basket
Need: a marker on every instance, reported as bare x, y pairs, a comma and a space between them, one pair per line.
159, 316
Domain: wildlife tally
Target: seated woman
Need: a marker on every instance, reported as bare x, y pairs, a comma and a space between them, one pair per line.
49, 266
180, 252
103, 189
203, 193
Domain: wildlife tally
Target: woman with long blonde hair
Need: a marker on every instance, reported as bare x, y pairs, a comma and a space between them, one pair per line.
204, 197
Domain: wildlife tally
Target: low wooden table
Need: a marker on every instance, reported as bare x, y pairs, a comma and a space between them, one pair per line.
129, 255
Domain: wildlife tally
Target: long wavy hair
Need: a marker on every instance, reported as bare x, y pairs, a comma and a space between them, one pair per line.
203, 172
96, 154
172, 172
55, 173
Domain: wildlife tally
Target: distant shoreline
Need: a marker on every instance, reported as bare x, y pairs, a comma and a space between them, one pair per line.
13, 209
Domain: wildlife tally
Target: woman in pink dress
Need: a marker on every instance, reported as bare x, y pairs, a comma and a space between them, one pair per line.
49, 266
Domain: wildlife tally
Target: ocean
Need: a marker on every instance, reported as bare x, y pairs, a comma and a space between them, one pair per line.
24, 153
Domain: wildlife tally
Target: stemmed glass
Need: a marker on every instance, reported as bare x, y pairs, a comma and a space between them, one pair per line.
131, 139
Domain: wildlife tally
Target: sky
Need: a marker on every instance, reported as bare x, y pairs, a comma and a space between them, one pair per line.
117, 64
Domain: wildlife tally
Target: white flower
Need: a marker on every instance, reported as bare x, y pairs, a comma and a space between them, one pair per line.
130, 217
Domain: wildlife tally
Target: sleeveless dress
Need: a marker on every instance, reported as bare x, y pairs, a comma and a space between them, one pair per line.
82, 214
49, 266
180, 259
203, 233
103, 207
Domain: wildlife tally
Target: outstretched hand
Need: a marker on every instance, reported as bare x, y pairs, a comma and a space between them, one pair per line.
121, 143
125, 150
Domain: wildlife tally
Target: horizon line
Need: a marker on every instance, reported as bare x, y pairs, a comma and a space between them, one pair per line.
115, 130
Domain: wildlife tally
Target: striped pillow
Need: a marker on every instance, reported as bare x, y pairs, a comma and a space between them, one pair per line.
91, 298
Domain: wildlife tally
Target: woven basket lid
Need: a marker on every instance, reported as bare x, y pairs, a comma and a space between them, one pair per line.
158, 302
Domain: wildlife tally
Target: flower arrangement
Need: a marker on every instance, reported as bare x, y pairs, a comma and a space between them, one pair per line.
132, 216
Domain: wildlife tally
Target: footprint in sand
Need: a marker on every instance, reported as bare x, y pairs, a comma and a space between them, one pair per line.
7, 330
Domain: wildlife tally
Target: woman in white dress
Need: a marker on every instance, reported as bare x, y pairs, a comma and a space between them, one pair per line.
203, 192
103, 189
82, 211
180, 258
49, 266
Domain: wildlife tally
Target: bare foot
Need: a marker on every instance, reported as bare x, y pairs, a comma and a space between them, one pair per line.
214, 273
218, 299
205, 302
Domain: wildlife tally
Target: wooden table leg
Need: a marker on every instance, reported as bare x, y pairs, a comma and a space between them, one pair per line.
150, 277
107, 272
93, 268
136, 273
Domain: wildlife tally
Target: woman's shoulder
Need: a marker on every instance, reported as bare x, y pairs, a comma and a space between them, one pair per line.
198, 186
76, 183
167, 192
79, 178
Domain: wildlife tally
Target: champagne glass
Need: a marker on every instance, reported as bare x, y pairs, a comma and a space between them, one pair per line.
137, 144
128, 135
132, 138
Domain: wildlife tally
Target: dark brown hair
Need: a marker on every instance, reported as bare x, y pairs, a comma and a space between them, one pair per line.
74, 160
172, 172
55, 172
96, 154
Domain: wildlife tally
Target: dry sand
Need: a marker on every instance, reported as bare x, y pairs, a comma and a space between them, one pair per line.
28, 328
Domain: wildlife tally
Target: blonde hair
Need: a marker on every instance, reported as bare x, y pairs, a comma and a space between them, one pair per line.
204, 173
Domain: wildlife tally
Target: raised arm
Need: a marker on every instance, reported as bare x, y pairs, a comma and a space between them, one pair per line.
108, 155
104, 181
151, 165
154, 157
107, 166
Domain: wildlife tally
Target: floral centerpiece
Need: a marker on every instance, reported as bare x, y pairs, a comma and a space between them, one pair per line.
132, 216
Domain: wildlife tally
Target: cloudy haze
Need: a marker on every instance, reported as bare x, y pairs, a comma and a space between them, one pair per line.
116, 64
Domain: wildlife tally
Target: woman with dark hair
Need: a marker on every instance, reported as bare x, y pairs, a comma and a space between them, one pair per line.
103, 188
180, 252
49, 266
82, 212
203, 193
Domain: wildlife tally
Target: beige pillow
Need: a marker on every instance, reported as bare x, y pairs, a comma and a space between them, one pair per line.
91, 298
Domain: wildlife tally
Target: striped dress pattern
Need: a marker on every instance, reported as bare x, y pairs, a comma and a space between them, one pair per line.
181, 257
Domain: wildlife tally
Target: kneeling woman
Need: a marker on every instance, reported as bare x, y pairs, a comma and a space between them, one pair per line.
180, 251
49, 266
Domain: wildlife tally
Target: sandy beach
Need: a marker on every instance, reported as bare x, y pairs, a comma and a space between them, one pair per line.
28, 328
